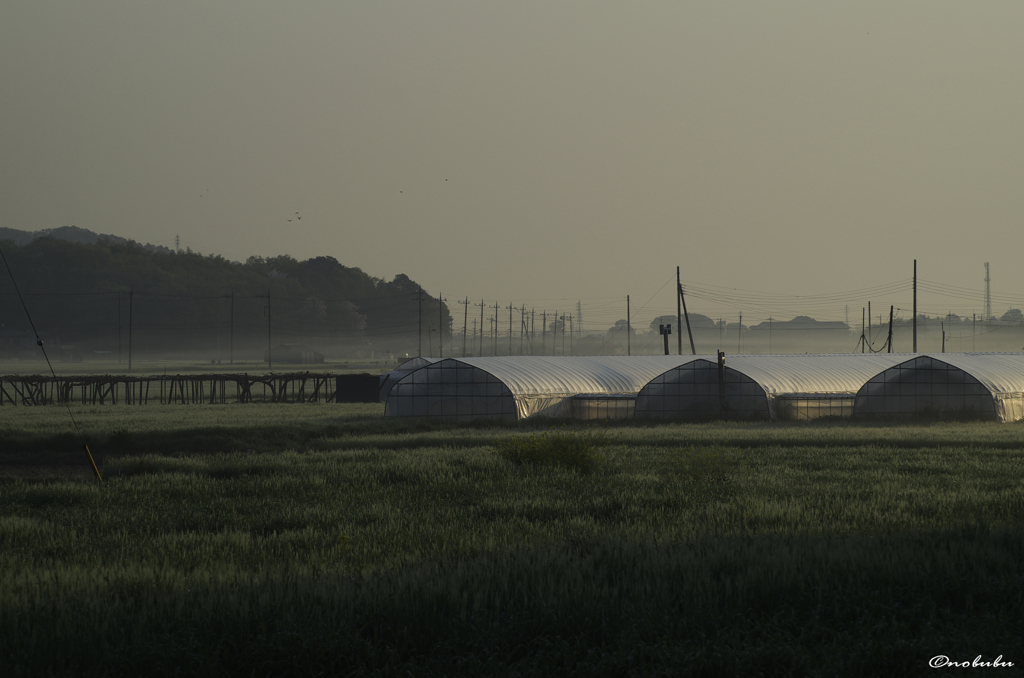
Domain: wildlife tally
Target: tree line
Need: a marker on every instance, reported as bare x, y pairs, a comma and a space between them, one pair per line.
88, 297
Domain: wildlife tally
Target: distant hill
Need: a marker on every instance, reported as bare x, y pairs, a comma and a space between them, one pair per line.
73, 234
101, 293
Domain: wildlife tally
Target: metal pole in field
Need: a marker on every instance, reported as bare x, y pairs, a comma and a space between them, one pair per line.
915, 305
131, 296
510, 307
481, 328
686, 316
974, 322
543, 331
679, 314
629, 347
119, 293
270, 354
465, 325
869, 324
863, 341
889, 340
440, 325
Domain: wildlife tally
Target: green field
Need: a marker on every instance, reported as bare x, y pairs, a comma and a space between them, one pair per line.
324, 540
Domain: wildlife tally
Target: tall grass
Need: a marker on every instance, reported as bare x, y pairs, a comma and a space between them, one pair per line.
358, 550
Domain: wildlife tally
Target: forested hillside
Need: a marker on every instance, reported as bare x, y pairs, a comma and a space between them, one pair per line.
89, 297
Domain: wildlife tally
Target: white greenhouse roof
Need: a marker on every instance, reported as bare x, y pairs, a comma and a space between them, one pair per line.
572, 375
814, 373
998, 372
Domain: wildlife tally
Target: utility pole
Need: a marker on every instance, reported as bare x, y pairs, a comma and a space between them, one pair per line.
869, 324
119, 326
543, 331
494, 334
131, 296
915, 305
629, 347
440, 325
679, 315
739, 335
419, 326
231, 354
570, 336
481, 353
270, 352
510, 307
533, 329
863, 341
523, 327
665, 331
579, 318
465, 325
988, 295
889, 340
554, 335
686, 315
974, 325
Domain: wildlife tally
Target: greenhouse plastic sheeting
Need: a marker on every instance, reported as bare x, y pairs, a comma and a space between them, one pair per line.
519, 387
986, 384
389, 379
771, 386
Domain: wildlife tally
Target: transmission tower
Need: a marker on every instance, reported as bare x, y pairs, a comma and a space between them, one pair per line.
988, 295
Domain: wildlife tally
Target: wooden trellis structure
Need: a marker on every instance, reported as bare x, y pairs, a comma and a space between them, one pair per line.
184, 389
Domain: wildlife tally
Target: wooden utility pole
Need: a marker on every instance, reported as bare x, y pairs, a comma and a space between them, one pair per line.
270, 350
131, 296
481, 328
419, 325
686, 316
440, 325
465, 325
915, 305
119, 293
523, 327
231, 353
889, 340
510, 307
494, 334
679, 315
863, 341
629, 345
543, 331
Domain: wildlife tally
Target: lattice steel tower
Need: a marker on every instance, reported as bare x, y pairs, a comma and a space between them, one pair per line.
988, 295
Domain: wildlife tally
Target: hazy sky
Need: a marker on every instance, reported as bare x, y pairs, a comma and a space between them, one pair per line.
539, 152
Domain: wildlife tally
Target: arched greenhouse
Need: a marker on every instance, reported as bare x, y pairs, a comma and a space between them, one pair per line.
760, 386
584, 387
987, 385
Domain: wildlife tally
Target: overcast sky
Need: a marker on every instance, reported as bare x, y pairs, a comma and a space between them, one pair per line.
539, 152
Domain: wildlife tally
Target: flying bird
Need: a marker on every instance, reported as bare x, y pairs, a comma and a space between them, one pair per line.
289, 221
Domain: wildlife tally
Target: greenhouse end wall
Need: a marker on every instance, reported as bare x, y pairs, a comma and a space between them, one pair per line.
452, 391
922, 386
692, 392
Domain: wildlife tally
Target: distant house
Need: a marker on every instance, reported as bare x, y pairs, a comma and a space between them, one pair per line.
295, 354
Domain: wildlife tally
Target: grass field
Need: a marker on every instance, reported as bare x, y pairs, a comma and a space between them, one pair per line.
325, 540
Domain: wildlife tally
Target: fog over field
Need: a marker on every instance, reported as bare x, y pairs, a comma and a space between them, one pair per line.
792, 158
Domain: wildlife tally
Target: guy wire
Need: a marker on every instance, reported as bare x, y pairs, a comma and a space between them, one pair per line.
39, 343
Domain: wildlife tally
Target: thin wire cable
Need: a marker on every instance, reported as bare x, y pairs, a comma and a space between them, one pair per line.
39, 341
